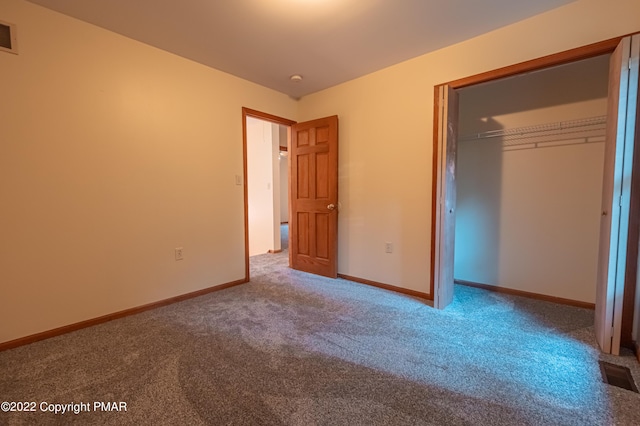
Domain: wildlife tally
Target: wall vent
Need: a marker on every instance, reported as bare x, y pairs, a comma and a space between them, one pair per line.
617, 375
8, 42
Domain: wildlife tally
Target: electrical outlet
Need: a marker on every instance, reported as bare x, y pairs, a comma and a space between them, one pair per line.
179, 254
388, 248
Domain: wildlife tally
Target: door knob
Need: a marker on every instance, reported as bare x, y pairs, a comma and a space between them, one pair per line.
331, 206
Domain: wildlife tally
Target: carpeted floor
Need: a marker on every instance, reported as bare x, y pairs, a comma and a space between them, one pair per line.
296, 349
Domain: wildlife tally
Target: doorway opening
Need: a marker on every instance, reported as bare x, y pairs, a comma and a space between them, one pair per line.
266, 173
267, 184
312, 169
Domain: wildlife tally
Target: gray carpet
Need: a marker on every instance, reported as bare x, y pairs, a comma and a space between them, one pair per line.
296, 349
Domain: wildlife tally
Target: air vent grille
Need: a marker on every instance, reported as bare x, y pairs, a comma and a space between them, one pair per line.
8, 37
617, 375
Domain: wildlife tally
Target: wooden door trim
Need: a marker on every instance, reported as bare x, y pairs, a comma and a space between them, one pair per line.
434, 187
572, 55
631, 277
248, 112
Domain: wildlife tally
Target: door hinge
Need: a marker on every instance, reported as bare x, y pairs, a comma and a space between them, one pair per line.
620, 201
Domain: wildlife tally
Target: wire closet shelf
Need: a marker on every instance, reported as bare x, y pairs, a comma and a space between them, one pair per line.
570, 132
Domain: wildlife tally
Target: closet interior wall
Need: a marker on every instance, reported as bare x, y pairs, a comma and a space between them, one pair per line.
529, 180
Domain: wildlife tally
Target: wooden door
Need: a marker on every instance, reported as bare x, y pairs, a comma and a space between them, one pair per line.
616, 192
313, 195
446, 196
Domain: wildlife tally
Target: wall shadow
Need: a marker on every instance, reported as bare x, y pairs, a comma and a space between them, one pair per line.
479, 177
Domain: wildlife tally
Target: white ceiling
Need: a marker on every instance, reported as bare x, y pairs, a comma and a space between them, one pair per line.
326, 41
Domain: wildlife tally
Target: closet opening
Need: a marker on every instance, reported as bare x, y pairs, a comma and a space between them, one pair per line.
530, 158
617, 308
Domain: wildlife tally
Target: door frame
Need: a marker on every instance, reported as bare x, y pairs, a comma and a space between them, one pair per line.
248, 112
573, 55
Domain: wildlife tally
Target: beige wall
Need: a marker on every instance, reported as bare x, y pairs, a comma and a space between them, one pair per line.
386, 133
529, 219
113, 153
